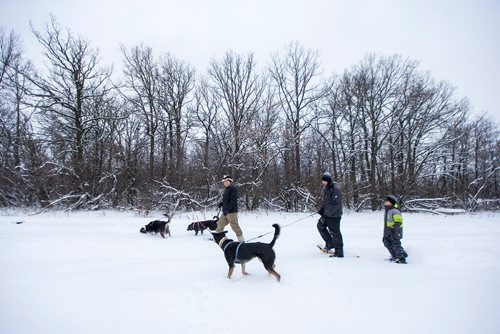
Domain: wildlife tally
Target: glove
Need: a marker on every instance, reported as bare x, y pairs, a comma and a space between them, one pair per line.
220, 205
397, 231
320, 212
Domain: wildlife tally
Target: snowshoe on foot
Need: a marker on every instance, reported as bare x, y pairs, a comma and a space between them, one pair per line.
325, 249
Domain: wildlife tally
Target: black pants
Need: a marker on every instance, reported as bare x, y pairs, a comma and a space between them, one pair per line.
329, 229
392, 241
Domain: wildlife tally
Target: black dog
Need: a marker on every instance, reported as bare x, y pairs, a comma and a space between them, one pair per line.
202, 225
241, 252
157, 226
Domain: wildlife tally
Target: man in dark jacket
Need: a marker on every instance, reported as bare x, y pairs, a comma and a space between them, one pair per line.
331, 213
229, 207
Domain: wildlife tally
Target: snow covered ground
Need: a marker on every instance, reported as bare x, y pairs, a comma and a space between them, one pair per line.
95, 273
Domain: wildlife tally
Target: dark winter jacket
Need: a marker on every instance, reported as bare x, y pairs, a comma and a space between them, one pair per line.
393, 221
332, 201
230, 199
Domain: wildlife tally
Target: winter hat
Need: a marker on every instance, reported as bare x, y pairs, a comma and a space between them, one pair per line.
227, 177
327, 177
392, 199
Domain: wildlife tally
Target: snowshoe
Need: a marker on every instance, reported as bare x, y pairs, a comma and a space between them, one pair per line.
325, 250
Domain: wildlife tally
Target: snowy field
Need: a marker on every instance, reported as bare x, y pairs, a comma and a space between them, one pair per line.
95, 273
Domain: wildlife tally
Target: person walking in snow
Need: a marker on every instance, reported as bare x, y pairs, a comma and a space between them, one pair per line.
393, 230
229, 207
331, 214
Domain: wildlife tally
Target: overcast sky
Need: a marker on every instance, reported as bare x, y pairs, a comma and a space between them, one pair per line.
456, 40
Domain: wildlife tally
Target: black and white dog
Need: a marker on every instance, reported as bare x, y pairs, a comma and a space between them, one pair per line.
242, 252
202, 225
157, 226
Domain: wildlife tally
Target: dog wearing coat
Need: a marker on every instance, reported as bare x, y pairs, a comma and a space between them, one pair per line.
158, 226
202, 225
242, 252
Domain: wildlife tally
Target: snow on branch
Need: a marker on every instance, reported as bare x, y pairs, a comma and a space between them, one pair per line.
432, 205
171, 198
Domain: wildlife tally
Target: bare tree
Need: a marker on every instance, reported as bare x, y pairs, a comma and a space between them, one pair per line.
176, 83
142, 79
207, 155
376, 82
133, 176
206, 114
263, 149
14, 123
72, 81
65, 94
162, 140
469, 165
10, 52
424, 121
486, 162
11, 92
237, 90
296, 75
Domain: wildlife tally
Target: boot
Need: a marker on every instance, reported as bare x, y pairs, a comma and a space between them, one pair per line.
401, 260
328, 246
338, 253
240, 238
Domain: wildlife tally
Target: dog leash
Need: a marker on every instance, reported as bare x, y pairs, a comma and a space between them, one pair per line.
294, 222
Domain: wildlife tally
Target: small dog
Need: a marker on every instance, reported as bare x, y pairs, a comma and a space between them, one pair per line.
242, 252
157, 226
202, 225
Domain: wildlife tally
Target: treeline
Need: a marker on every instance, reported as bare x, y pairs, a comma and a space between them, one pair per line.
162, 135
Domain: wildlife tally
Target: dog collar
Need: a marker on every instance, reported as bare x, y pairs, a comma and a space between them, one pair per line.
222, 241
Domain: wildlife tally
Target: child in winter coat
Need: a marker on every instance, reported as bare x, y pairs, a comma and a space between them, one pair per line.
393, 230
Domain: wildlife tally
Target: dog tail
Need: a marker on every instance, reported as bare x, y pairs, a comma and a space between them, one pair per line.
277, 230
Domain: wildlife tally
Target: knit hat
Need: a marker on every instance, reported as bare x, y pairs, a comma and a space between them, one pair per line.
227, 177
391, 198
326, 177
